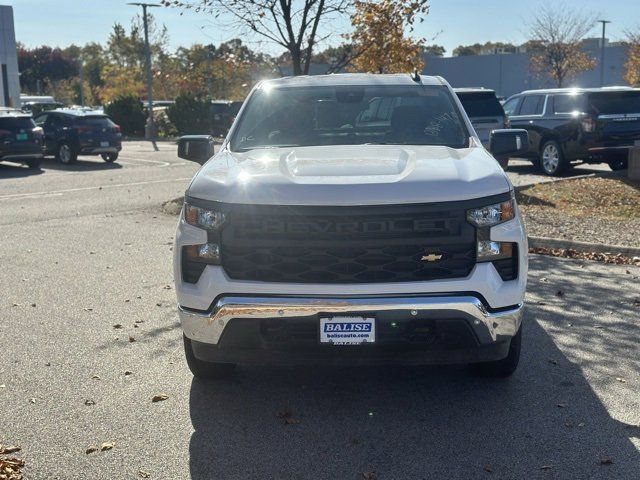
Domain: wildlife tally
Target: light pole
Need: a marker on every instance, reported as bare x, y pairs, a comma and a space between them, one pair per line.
150, 130
604, 25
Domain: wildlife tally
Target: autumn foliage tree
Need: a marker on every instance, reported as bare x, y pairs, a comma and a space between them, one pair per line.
379, 39
558, 33
632, 65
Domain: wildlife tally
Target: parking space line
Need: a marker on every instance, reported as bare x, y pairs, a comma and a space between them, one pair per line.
81, 189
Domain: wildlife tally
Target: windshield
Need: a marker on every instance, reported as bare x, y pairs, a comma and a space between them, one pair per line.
95, 121
17, 123
481, 104
337, 115
609, 103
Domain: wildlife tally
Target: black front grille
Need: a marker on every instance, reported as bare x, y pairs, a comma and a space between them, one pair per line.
400, 243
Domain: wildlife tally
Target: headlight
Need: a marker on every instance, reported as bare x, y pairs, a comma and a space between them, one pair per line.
203, 218
492, 214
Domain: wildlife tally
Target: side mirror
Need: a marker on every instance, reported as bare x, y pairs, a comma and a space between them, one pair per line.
508, 142
197, 148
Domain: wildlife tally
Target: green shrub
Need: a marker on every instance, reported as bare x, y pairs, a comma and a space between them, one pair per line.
164, 127
191, 115
128, 112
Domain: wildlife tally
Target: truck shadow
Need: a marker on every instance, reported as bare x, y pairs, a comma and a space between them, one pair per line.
16, 170
547, 421
83, 164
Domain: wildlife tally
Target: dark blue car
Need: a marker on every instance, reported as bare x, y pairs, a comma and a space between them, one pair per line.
70, 132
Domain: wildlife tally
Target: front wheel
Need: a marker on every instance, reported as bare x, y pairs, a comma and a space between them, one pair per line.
109, 157
502, 368
65, 154
205, 370
552, 161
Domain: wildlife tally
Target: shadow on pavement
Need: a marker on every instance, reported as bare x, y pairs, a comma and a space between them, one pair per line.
15, 170
419, 423
83, 164
524, 167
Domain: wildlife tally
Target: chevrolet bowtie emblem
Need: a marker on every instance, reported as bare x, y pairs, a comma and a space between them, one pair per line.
432, 257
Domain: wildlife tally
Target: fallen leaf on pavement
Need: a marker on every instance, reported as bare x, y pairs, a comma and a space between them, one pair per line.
160, 397
560, 293
621, 380
562, 405
369, 476
488, 468
128, 372
95, 377
143, 474
88, 402
131, 339
551, 360
546, 467
606, 461
32, 400
9, 449
91, 449
117, 326
10, 468
107, 446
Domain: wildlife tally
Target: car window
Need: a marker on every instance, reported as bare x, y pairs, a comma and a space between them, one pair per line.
95, 121
41, 119
615, 102
532, 105
481, 104
350, 115
511, 105
567, 103
53, 121
16, 123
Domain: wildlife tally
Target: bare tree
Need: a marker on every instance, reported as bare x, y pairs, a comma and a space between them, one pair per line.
292, 24
558, 33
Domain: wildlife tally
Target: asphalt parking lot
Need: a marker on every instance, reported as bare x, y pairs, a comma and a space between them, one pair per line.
90, 334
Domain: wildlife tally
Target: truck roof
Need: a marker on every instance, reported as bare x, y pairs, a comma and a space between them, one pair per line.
580, 90
351, 79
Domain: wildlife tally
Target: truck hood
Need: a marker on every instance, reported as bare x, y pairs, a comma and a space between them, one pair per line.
349, 175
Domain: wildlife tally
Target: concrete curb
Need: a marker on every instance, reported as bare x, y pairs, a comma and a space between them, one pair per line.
542, 242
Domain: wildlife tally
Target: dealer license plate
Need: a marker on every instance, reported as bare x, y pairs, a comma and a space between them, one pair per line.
347, 330
104, 144
22, 136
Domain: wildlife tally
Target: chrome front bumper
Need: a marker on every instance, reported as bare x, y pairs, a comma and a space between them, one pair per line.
489, 327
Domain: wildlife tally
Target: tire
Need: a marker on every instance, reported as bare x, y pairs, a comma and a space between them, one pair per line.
34, 163
205, 370
552, 161
502, 368
621, 164
109, 157
66, 154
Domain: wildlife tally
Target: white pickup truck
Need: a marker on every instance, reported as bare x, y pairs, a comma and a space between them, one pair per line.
351, 219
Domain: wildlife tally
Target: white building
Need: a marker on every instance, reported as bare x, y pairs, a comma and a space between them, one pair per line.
9, 79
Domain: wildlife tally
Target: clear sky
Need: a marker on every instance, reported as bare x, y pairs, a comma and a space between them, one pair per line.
453, 22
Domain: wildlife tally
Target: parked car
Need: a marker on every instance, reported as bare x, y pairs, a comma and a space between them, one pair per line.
21, 140
223, 113
72, 132
351, 219
35, 104
589, 124
486, 114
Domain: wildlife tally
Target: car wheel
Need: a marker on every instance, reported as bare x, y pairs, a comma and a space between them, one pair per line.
109, 157
505, 367
552, 161
205, 370
621, 164
33, 163
66, 154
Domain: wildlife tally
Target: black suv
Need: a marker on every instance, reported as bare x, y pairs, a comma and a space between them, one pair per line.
20, 139
589, 124
485, 112
69, 133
